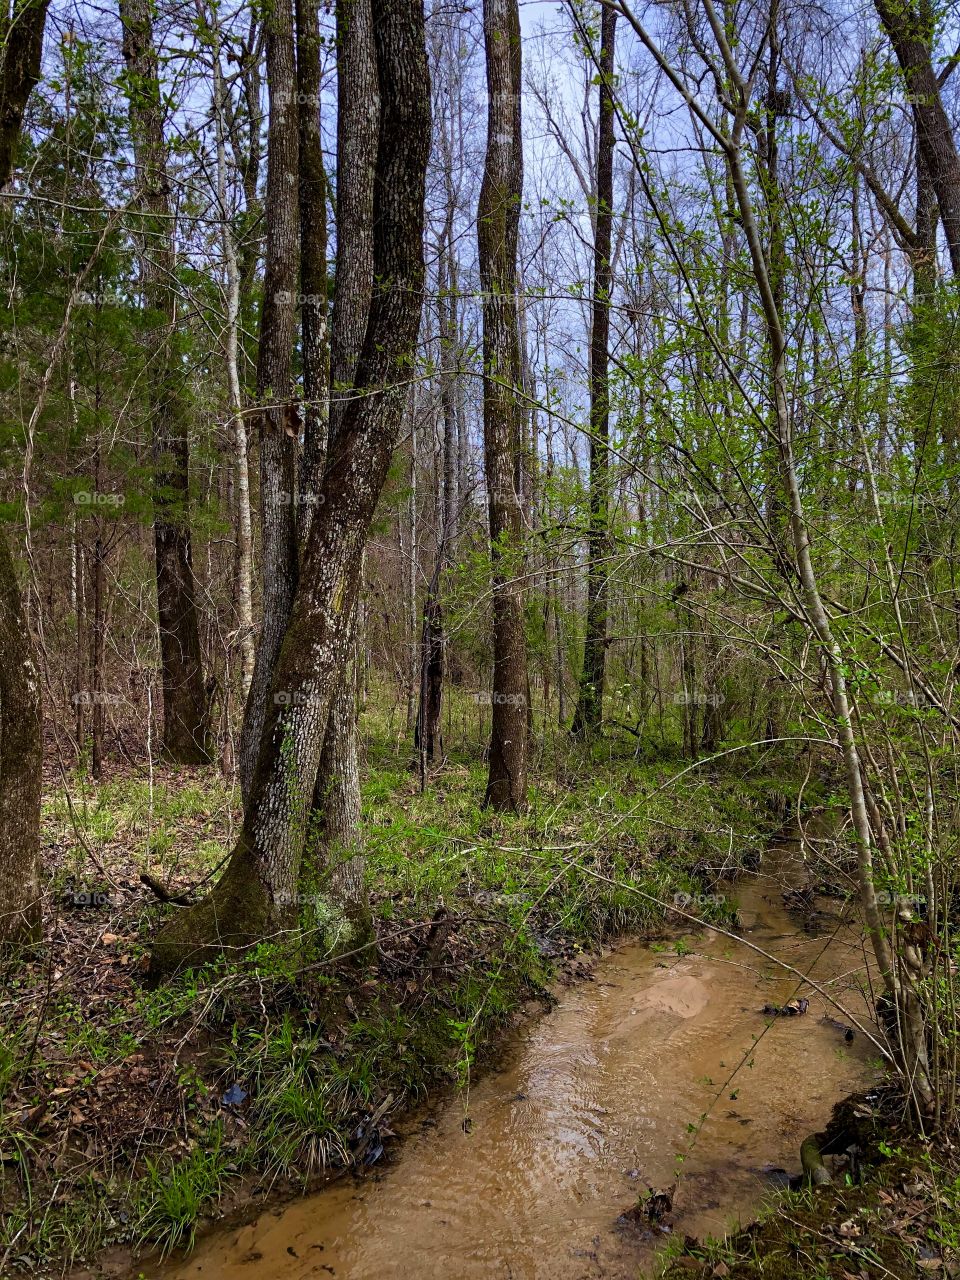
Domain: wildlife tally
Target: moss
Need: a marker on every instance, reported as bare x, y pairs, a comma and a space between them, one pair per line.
233, 916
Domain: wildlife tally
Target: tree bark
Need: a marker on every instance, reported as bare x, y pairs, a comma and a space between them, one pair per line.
21, 29
185, 730
358, 127
21, 723
336, 799
21, 759
427, 735
910, 30
243, 564
256, 894
314, 344
433, 641
278, 422
498, 217
589, 713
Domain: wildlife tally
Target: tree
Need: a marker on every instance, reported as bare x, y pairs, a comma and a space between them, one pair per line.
257, 893
21, 722
277, 418
428, 738
231, 348
336, 798
498, 219
589, 712
909, 27
809, 602
185, 730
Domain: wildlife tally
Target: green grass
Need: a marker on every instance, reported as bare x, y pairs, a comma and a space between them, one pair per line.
174, 1195
148, 820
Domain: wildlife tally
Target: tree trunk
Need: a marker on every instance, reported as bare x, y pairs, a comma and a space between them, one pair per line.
20, 49
336, 798
277, 420
314, 346
433, 640
909, 28
256, 894
427, 735
336, 807
21, 759
185, 732
358, 115
498, 217
243, 563
589, 713
21, 723
97, 646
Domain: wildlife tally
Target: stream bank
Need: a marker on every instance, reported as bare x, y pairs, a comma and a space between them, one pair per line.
660, 1074
892, 1210
134, 1119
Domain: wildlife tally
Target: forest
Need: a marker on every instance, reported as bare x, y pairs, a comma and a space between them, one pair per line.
479, 639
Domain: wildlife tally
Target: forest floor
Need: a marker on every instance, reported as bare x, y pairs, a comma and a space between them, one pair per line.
132, 1117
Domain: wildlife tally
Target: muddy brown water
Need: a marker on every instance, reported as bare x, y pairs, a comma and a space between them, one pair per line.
592, 1105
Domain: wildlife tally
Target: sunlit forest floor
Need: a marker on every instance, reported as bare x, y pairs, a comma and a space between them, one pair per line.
130, 1117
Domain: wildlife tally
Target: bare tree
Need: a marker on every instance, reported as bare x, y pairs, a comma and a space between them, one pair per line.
909, 27
231, 349
21, 723
278, 419
589, 713
256, 894
185, 729
336, 799
433, 639
809, 599
498, 218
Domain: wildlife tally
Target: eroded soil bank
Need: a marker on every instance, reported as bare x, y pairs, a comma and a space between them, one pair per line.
525, 1174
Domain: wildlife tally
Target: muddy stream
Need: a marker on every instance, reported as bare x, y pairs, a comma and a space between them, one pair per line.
591, 1106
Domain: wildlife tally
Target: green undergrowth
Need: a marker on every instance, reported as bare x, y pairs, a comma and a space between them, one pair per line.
130, 1116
